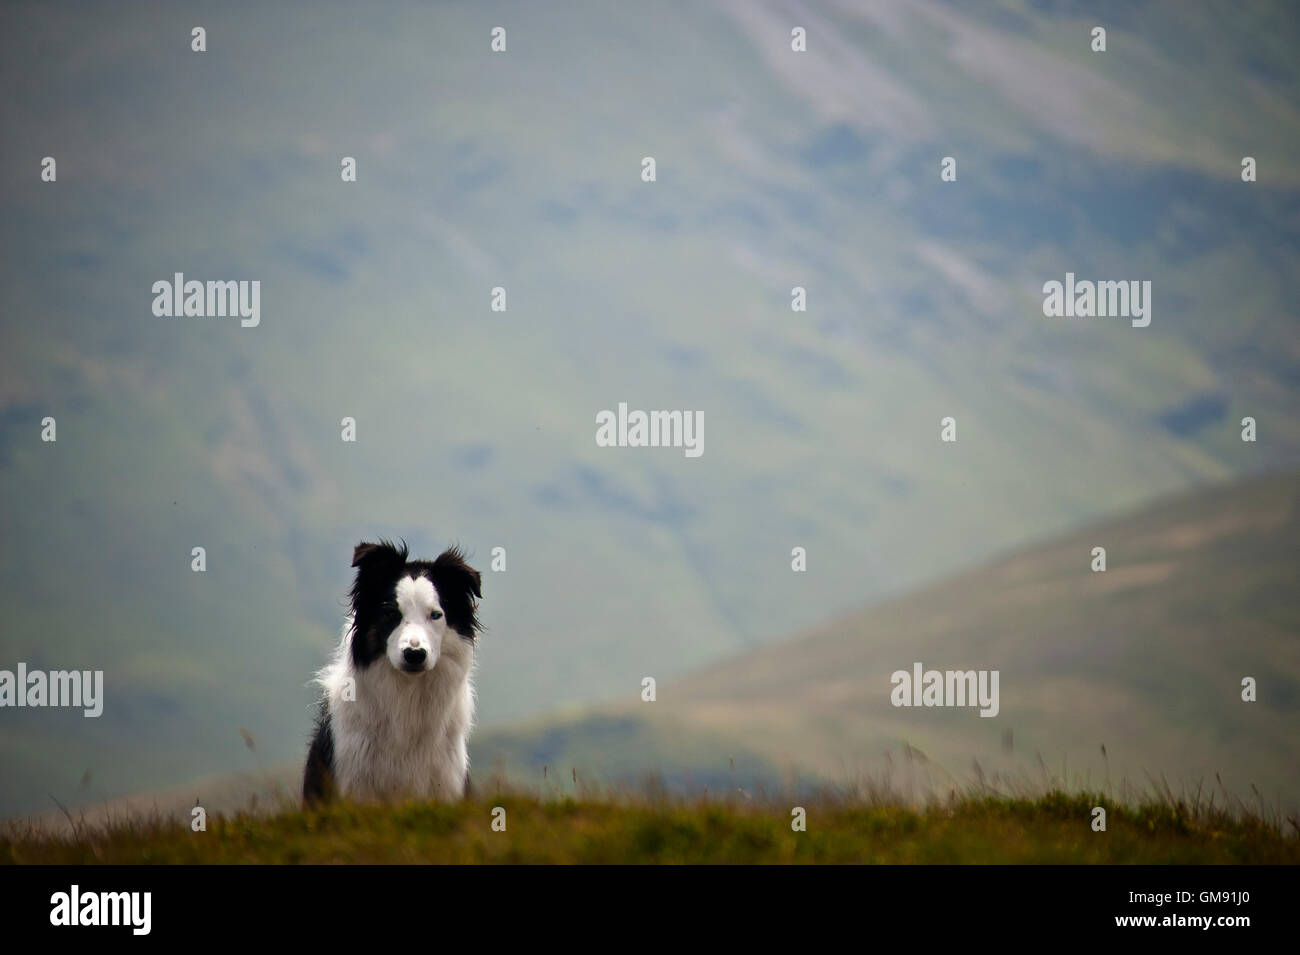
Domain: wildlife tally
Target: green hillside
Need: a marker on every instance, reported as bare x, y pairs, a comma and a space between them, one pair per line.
1145, 659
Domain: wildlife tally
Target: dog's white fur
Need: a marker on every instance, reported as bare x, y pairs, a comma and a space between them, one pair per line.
402, 735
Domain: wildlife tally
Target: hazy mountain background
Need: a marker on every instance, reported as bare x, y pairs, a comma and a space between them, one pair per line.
521, 170
1145, 660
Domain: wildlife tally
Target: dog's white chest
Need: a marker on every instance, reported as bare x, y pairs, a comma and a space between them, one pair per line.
402, 738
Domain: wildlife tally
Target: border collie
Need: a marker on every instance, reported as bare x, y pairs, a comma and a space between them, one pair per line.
398, 699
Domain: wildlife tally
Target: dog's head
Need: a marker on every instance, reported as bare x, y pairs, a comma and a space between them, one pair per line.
409, 611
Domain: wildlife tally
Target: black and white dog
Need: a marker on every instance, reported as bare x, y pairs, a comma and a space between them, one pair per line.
398, 699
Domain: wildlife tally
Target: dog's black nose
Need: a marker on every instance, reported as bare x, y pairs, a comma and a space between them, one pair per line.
413, 657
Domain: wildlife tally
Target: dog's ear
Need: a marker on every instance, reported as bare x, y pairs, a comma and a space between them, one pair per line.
366, 555
372, 560
459, 588
451, 565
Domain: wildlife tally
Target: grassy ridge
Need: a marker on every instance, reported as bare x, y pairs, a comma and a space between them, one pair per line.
1052, 829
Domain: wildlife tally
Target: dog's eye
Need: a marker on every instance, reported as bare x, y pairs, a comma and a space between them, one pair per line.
435, 614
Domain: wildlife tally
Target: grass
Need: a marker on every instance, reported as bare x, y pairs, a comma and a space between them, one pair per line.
653, 828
